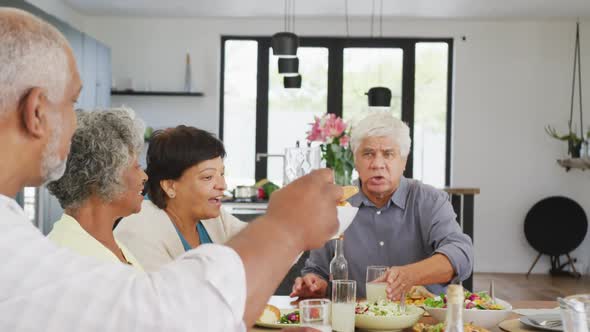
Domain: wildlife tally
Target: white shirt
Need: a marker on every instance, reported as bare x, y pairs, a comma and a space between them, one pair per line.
46, 288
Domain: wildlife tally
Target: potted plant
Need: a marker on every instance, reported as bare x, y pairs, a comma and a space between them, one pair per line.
147, 134
574, 142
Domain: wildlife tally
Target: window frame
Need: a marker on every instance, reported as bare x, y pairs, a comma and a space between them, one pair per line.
336, 46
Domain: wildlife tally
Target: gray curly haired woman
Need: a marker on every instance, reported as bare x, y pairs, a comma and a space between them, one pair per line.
103, 182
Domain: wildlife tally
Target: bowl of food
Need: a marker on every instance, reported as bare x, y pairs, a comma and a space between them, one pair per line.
478, 309
384, 315
418, 295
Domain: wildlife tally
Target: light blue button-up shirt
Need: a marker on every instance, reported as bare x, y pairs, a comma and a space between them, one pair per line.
417, 222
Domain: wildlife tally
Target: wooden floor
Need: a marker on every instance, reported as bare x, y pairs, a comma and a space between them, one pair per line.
543, 287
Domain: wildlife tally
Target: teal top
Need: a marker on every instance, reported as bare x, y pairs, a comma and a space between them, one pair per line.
203, 236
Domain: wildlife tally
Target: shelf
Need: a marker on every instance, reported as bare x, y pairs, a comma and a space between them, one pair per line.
462, 191
579, 163
156, 93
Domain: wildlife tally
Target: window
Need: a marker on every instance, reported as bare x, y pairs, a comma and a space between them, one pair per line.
291, 110
29, 203
259, 118
430, 109
369, 67
28, 198
239, 105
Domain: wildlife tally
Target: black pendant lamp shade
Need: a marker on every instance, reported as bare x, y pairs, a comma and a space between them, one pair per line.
292, 82
289, 66
285, 44
379, 96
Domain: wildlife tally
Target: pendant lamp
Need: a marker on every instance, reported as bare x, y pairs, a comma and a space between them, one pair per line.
285, 44
292, 82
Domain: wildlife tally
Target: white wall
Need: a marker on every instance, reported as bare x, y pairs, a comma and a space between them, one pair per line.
511, 79
60, 10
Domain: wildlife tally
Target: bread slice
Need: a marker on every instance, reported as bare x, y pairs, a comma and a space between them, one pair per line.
419, 292
270, 315
348, 192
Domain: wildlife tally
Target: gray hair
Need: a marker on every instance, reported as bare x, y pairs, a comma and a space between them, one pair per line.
102, 148
32, 54
382, 124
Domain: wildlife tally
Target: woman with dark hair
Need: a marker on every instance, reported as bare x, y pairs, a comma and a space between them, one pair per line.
185, 186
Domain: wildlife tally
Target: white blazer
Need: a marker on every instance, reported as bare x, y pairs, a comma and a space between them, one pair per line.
152, 238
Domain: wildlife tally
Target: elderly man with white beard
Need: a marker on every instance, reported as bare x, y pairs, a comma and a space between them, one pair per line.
43, 288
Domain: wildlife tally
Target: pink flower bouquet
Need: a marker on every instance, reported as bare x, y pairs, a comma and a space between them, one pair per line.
334, 134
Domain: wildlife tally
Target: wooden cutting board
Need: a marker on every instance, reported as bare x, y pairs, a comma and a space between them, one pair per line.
514, 325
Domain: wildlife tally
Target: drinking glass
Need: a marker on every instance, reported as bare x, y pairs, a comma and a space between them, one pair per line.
376, 289
315, 313
343, 305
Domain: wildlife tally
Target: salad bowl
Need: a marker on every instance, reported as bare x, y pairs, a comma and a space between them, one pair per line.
478, 309
385, 316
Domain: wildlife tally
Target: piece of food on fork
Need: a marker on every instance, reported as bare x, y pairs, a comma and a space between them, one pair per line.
348, 192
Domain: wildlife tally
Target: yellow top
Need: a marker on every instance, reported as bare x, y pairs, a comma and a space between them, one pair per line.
68, 233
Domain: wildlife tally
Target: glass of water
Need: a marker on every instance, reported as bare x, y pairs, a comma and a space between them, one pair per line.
315, 313
376, 289
343, 305
301, 161
575, 312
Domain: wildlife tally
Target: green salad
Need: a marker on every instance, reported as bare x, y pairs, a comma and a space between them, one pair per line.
480, 301
381, 308
290, 318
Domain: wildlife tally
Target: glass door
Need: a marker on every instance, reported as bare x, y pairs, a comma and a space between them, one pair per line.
364, 68
291, 111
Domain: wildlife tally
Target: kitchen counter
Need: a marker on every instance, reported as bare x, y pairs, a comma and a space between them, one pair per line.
245, 211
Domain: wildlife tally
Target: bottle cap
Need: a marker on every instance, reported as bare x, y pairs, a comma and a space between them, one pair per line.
455, 294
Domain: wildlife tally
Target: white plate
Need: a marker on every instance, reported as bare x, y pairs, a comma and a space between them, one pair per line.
278, 325
528, 321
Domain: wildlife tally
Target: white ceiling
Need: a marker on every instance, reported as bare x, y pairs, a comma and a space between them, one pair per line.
503, 9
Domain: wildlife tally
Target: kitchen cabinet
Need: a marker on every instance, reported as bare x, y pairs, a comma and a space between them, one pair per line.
93, 59
92, 56
103, 76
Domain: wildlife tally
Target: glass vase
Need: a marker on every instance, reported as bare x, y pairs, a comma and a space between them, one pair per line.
342, 176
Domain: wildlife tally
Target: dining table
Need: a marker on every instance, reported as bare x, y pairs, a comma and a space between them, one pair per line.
511, 324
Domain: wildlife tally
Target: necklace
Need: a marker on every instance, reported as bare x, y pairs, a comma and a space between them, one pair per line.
126, 261
173, 219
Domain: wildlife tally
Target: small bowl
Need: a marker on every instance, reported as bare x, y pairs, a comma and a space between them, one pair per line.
345, 216
483, 318
394, 323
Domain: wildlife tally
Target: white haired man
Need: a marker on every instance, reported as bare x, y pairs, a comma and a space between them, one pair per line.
401, 223
43, 288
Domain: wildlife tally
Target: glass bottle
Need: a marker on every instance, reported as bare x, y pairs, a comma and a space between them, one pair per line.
454, 319
187, 74
339, 265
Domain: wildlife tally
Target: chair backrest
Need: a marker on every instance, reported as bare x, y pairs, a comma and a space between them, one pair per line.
287, 284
